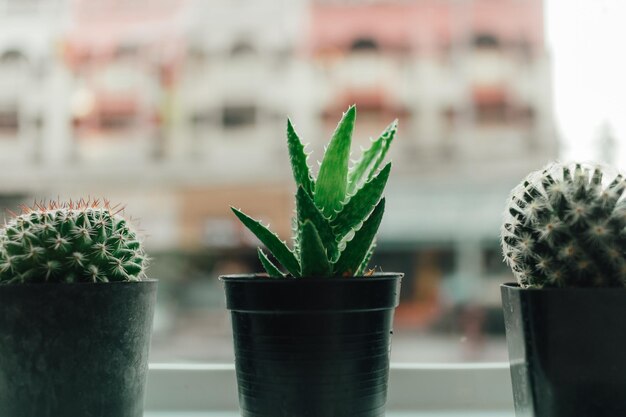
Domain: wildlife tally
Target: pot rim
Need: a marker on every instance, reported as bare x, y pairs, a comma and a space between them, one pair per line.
257, 293
264, 278
77, 284
514, 286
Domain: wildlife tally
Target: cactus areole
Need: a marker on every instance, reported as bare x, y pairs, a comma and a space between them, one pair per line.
337, 214
565, 226
70, 242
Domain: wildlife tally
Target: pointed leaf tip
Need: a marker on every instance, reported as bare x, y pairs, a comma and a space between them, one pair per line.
298, 158
371, 158
313, 257
332, 180
271, 269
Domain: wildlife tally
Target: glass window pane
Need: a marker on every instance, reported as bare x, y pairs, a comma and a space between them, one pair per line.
178, 110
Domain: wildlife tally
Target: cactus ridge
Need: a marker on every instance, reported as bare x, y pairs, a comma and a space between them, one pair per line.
74, 242
565, 225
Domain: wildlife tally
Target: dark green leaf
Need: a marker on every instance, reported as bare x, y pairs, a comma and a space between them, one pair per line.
277, 247
356, 250
332, 180
271, 269
371, 158
308, 211
312, 252
361, 269
301, 173
361, 203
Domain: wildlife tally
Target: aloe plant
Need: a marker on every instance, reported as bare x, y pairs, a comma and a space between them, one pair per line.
337, 214
82, 241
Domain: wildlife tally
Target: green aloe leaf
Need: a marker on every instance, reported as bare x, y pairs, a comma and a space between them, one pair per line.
356, 250
298, 158
271, 269
371, 158
312, 252
277, 247
361, 269
361, 203
332, 180
308, 211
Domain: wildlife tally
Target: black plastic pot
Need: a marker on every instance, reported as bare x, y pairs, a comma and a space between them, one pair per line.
312, 347
75, 350
567, 348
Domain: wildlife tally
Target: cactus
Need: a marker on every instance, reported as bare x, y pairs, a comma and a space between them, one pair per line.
70, 242
565, 227
337, 214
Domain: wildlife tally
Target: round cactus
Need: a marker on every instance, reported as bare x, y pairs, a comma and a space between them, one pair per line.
72, 242
565, 226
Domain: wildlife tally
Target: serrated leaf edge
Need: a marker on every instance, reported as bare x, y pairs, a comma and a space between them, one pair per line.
366, 234
274, 244
271, 269
371, 158
372, 188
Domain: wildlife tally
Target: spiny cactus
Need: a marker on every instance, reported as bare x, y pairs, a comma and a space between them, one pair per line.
70, 242
565, 226
337, 214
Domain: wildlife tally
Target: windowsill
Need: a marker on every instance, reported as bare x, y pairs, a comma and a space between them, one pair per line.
415, 390
437, 413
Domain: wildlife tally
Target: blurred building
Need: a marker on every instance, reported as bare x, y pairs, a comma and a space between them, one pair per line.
178, 108
28, 63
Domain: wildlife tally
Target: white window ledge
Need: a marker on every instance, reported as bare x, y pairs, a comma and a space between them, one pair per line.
415, 390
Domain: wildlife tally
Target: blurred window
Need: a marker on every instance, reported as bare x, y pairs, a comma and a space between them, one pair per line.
239, 116
112, 120
241, 49
364, 45
9, 120
491, 113
491, 106
128, 51
486, 41
13, 58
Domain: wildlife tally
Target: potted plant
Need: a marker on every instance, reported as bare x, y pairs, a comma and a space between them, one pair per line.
75, 313
314, 339
564, 237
